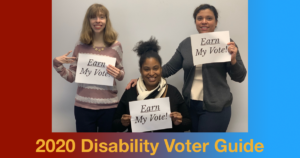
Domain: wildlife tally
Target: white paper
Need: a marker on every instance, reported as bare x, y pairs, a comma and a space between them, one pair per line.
150, 115
210, 47
91, 69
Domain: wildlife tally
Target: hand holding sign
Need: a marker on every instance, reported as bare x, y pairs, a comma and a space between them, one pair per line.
176, 118
125, 120
232, 49
65, 59
151, 115
115, 72
92, 69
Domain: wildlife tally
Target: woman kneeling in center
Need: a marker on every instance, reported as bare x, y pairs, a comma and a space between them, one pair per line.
149, 86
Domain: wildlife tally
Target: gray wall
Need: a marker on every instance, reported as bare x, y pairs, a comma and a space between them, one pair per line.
170, 21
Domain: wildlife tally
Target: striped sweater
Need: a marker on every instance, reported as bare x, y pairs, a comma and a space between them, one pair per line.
91, 96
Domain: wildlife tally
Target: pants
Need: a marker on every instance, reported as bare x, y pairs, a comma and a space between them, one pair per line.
88, 120
205, 121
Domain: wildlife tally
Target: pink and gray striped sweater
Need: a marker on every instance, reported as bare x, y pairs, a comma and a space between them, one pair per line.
91, 96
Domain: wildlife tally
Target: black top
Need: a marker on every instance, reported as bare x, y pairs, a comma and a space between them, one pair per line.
176, 103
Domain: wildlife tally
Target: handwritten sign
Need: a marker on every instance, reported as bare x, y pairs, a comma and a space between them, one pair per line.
210, 47
151, 114
91, 69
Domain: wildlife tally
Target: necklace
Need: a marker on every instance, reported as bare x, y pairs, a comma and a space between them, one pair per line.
99, 49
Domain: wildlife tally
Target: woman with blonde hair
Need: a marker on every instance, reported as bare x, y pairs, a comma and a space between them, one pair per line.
94, 104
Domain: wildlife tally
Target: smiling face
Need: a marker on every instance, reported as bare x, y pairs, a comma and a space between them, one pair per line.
205, 21
151, 73
98, 23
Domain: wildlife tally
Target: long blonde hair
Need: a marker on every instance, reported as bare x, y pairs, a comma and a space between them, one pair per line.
86, 36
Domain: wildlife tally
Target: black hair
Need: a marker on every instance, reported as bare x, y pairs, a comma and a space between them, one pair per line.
203, 7
147, 49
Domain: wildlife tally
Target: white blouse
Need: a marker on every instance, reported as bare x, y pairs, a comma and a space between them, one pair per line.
197, 87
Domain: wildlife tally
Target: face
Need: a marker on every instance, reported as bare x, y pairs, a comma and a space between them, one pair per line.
205, 21
98, 23
151, 73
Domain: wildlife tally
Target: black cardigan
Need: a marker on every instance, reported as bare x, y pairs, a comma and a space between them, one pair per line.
176, 102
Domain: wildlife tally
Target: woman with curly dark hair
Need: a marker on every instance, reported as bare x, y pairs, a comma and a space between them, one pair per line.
149, 86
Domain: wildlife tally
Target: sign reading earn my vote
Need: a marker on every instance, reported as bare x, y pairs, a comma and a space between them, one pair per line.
210, 47
149, 115
91, 69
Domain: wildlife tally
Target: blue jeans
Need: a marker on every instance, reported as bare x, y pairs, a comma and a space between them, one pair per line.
205, 121
88, 120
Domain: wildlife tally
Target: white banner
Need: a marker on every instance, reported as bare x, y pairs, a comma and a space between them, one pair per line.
91, 69
151, 114
210, 47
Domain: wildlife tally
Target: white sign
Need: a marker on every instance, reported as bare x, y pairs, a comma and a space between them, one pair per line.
91, 69
151, 114
210, 47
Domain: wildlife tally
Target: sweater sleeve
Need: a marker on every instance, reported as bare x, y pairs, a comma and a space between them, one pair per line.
183, 109
67, 74
237, 72
119, 63
121, 109
173, 65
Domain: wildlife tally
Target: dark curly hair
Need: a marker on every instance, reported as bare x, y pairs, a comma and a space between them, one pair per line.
147, 49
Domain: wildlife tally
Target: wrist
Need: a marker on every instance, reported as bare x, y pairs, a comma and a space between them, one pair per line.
233, 61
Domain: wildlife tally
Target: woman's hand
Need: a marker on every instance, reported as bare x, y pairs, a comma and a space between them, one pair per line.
176, 117
115, 72
125, 120
65, 59
232, 49
132, 82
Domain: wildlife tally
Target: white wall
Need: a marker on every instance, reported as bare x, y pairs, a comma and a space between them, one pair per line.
170, 21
